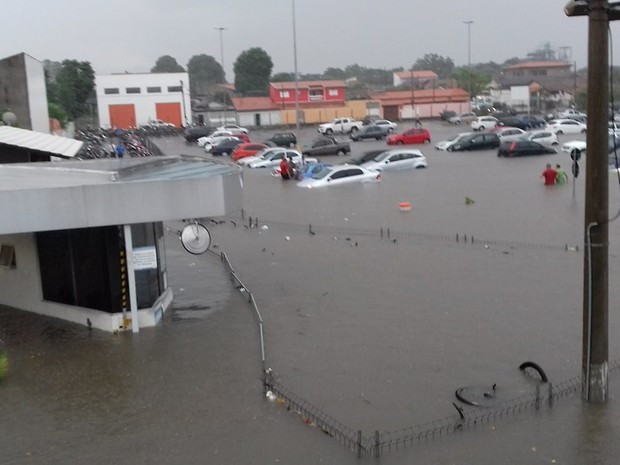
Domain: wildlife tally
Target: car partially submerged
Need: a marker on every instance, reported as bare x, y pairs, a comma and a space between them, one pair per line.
340, 174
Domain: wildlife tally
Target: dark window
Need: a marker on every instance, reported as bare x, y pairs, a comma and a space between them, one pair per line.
149, 283
175, 88
153, 90
111, 90
132, 90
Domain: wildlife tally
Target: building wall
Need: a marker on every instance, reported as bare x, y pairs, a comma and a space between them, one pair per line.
22, 90
354, 108
330, 94
144, 103
265, 118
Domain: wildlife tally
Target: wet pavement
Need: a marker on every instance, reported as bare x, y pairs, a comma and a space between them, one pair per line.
376, 330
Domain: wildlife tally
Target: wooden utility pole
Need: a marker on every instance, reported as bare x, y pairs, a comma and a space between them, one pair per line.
596, 273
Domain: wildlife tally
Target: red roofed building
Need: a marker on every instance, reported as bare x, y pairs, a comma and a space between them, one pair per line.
421, 79
310, 92
424, 103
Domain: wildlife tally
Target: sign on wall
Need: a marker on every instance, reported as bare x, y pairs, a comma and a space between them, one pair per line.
144, 258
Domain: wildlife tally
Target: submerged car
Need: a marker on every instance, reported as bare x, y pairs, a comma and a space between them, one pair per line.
369, 132
397, 160
340, 174
566, 126
517, 148
410, 136
475, 141
444, 144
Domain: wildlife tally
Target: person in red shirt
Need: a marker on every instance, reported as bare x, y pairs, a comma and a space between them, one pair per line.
550, 175
285, 169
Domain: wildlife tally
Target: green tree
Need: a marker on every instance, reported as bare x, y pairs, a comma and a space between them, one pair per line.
252, 71
442, 66
204, 71
334, 73
472, 81
283, 77
74, 85
167, 64
56, 112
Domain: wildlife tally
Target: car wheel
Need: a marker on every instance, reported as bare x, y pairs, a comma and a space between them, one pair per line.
555, 143
329, 131
291, 145
340, 153
427, 141
559, 133
390, 130
400, 142
353, 130
224, 154
583, 132
481, 128
449, 148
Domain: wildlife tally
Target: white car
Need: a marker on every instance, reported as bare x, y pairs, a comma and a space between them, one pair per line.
570, 113
484, 122
543, 137
387, 125
272, 158
444, 144
566, 126
397, 160
232, 128
340, 174
259, 155
202, 141
216, 140
576, 146
463, 118
509, 133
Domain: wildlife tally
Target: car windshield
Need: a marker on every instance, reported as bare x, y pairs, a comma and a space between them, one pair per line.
321, 174
382, 156
271, 155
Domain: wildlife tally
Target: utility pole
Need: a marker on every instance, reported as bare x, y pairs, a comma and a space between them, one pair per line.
296, 73
595, 332
221, 29
469, 23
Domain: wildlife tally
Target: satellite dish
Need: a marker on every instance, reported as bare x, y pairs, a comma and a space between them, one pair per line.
9, 118
195, 238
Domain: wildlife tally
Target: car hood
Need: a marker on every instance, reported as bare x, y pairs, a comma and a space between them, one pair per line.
248, 160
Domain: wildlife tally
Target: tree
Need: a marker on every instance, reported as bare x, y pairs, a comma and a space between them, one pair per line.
546, 53
55, 111
204, 71
443, 67
167, 64
283, 77
334, 73
252, 71
472, 81
74, 84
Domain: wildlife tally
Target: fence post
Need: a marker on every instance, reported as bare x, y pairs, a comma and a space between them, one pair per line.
359, 444
377, 451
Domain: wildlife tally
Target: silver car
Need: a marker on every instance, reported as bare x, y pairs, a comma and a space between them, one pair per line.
399, 159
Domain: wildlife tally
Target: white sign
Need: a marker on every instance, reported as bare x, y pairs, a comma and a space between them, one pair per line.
144, 258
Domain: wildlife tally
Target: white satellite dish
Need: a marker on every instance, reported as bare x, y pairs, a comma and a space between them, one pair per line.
195, 238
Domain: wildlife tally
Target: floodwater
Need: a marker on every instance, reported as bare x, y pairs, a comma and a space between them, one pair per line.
376, 317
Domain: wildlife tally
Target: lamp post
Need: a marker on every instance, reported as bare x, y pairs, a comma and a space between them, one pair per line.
221, 29
296, 73
469, 23
183, 103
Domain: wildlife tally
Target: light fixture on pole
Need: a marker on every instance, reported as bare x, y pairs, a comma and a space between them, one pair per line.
221, 29
469, 23
296, 73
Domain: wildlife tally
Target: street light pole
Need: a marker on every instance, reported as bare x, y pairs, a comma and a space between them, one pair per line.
296, 73
221, 29
469, 23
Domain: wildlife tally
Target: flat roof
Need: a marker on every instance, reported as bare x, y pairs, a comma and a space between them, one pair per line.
38, 141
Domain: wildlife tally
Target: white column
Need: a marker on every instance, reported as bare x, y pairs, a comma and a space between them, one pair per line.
131, 279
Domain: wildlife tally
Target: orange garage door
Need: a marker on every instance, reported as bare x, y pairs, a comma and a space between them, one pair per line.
169, 112
122, 116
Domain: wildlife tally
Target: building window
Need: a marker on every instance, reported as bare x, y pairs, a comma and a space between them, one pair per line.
333, 92
284, 94
111, 90
153, 90
132, 90
175, 88
7, 256
315, 94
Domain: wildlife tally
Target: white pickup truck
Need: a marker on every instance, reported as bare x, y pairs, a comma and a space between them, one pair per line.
340, 125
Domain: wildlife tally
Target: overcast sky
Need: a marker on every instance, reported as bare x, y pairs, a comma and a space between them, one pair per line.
129, 35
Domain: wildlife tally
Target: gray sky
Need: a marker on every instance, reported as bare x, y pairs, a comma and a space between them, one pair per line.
129, 35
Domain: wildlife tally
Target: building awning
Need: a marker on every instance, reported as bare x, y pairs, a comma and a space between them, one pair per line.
55, 146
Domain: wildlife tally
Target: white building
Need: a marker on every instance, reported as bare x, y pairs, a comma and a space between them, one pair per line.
132, 100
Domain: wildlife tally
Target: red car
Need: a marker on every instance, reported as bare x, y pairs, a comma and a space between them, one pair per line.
410, 136
247, 150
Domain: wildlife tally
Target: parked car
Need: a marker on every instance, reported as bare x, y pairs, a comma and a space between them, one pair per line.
508, 133
340, 174
366, 156
225, 147
396, 160
270, 158
369, 132
216, 140
327, 146
232, 128
193, 133
523, 122
410, 136
284, 139
576, 148
516, 148
566, 126
247, 150
202, 141
340, 125
569, 113
446, 115
544, 137
443, 145
484, 122
475, 141
313, 168
463, 118
389, 126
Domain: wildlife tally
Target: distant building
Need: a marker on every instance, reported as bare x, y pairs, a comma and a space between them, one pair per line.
420, 79
310, 92
425, 103
132, 100
22, 91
